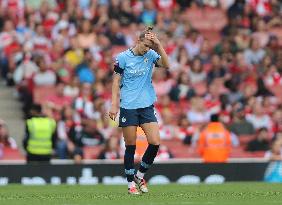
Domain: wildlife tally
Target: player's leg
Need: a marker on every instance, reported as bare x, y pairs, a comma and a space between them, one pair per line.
129, 121
151, 129
129, 134
153, 137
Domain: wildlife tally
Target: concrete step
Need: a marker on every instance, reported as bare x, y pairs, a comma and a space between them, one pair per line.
11, 113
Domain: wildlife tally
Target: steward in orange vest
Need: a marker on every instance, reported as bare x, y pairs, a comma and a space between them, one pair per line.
215, 142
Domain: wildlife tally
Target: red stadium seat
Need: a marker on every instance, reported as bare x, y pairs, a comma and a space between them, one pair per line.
177, 148
92, 152
40, 93
200, 88
244, 139
12, 154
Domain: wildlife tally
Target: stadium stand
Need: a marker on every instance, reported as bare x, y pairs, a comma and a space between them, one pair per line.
229, 52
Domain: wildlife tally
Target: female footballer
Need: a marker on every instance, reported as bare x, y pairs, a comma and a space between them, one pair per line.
133, 92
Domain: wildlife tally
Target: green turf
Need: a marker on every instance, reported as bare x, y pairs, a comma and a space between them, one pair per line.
226, 194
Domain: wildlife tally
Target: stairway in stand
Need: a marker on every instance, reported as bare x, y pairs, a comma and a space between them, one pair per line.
11, 113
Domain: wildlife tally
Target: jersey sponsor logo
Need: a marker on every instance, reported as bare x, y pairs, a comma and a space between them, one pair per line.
137, 72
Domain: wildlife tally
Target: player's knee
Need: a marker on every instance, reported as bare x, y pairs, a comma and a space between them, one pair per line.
155, 141
130, 141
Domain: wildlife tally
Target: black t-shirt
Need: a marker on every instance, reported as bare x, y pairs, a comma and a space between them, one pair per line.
256, 145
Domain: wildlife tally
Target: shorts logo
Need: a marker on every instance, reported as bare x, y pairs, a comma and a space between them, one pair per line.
155, 113
123, 119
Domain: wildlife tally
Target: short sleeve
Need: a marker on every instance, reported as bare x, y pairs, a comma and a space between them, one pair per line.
119, 64
155, 56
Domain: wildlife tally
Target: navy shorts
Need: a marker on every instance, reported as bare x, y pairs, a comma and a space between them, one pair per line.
136, 117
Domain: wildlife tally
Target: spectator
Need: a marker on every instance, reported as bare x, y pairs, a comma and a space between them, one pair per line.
217, 70
58, 100
167, 129
198, 113
5, 140
110, 150
239, 125
86, 38
275, 152
114, 34
254, 54
149, 14
44, 76
164, 153
258, 117
214, 144
261, 142
193, 44
64, 146
197, 74
182, 90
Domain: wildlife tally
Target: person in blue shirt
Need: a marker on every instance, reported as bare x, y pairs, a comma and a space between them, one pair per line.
133, 93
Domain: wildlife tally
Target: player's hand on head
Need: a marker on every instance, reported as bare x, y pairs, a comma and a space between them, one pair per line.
153, 37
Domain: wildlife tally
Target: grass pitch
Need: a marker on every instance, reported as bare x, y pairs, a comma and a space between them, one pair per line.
225, 194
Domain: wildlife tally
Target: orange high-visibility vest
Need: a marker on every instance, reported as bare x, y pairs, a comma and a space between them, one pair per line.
214, 143
141, 143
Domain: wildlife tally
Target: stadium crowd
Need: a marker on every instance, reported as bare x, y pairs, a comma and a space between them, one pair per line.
225, 58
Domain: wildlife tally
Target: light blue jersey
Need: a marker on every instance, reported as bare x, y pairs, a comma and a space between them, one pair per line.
136, 89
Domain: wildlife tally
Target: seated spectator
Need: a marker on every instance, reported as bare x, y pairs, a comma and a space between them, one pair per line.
58, 100
197, 74
179, 60
72, 88
110, 150
149, 14
64, 145
44, 76
261, 34
261, 142
217, 70
182, 90
5, 139
254, 54
86, 38
185, 131
86, 135
163, 153
193, 44
258, 117
161, 82
277, 120
262, 90
239, 125
198, 112
275, 152
214, 144
167, 129
83, 104
114, 34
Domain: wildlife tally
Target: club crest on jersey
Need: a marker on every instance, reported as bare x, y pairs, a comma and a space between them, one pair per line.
146, 60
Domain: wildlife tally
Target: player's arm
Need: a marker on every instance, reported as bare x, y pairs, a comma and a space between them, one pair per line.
163, 61
115, 96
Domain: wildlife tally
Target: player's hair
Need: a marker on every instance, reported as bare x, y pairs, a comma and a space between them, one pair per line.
146, 31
